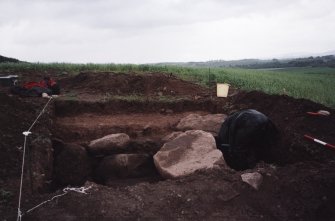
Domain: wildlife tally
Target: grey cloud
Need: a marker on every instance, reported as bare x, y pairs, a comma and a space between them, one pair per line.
175, 29
121, 14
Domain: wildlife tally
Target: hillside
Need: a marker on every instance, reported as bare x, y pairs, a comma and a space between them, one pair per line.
4, 59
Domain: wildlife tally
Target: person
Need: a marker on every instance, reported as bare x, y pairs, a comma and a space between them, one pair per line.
45, 87
246, 137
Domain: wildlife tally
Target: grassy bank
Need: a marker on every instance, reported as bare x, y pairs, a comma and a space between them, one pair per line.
316, 84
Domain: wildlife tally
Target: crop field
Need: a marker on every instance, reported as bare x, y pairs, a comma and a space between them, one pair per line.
316, 84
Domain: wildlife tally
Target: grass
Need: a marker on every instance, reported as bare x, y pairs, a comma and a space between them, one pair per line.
316, 84
141, 98
71, 68
70, 96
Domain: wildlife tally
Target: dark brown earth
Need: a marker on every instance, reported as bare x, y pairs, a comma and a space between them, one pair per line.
149, 84
298, 185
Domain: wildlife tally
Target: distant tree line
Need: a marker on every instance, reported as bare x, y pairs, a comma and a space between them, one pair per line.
319, 61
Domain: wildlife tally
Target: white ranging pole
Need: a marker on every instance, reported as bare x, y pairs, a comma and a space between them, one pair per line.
330, 146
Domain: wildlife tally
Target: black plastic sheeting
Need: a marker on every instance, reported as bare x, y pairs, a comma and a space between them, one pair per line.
245, 138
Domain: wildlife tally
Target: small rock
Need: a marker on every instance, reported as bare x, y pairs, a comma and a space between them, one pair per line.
253, 179
147, 130
197, 97
169, 111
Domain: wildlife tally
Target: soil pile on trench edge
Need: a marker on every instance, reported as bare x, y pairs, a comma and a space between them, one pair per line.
131, 84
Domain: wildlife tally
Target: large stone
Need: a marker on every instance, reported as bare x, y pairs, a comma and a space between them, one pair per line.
109, 144
40, 163
253, 179
191, 151
124, 166
209, 123
72, 165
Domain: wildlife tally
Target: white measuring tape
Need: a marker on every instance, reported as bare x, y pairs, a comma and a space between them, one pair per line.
65, 191
26, 134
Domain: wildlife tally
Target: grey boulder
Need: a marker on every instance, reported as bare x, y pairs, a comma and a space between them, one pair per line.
72, 165
124, 166
111, 143
40, 163
189, 152
209, 123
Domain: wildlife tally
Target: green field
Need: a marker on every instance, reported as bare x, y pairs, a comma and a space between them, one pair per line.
316, 84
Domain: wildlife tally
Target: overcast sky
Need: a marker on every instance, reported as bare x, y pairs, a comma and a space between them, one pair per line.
145, 31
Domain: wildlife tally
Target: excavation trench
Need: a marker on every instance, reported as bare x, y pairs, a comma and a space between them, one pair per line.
77, 123
97, 104
297, 188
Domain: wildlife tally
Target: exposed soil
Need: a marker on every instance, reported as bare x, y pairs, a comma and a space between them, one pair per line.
16, 116
295, 192
109, 84
86, 127
299, 186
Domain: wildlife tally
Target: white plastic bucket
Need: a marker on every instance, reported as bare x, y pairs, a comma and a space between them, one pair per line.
222, 90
